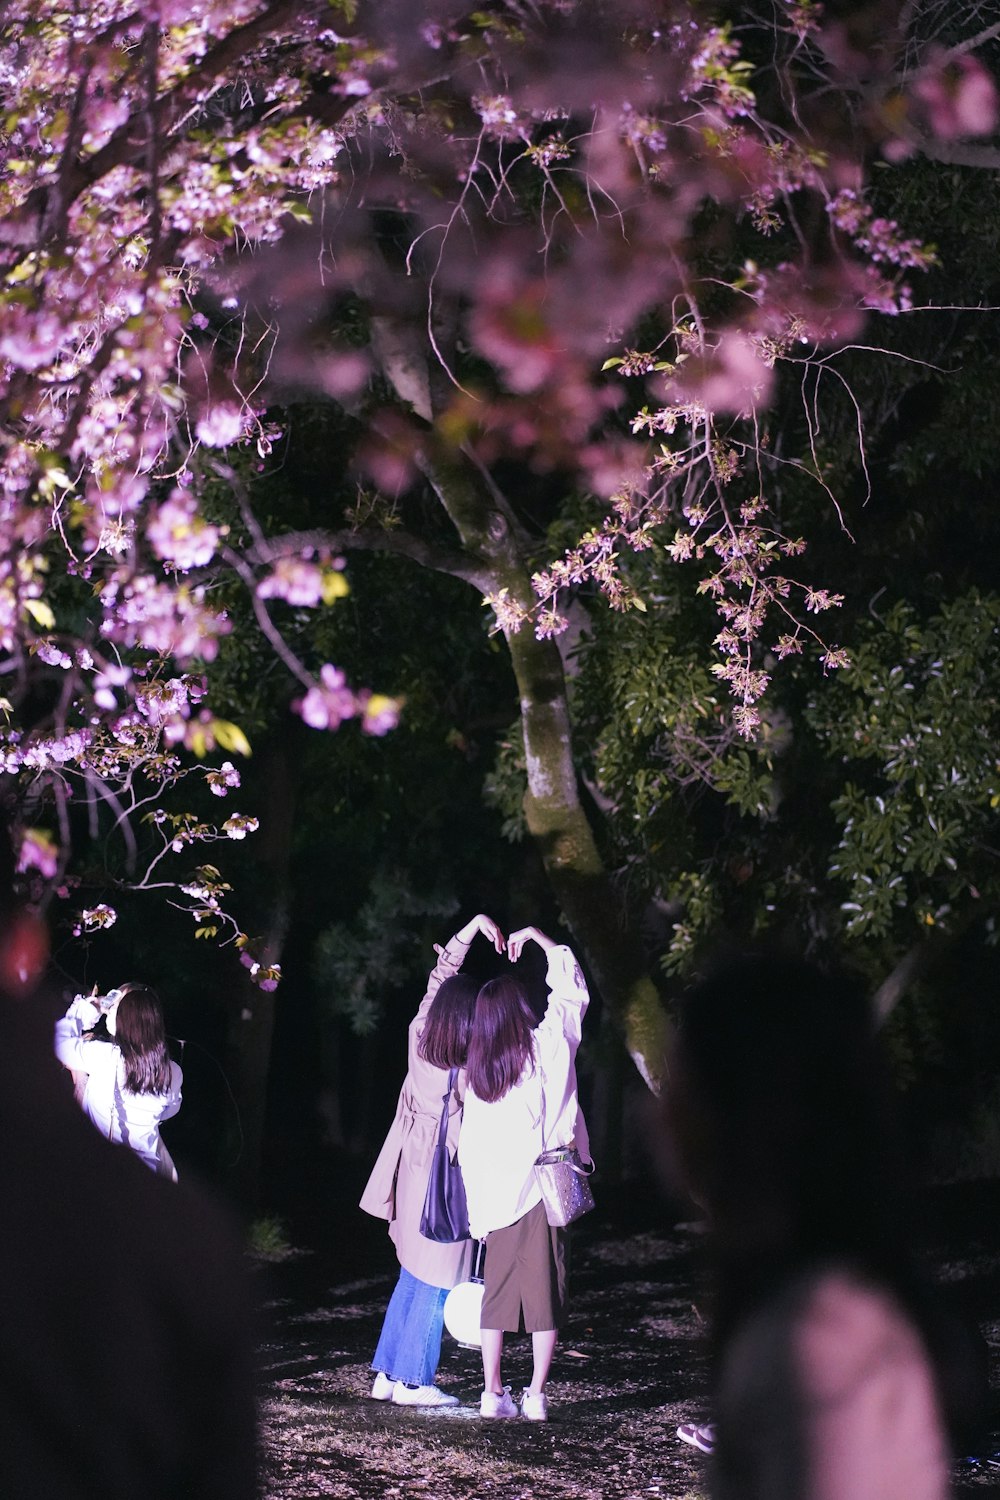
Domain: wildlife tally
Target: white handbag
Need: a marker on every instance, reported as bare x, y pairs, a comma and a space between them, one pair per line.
463, 1306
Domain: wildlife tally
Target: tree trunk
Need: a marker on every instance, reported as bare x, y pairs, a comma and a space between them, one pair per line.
252, 1023
250, 1037
553, 810
497, 548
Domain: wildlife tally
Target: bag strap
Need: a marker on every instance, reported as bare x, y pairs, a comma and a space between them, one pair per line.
541, 1117
564, 1156
443, 1126
579, 1167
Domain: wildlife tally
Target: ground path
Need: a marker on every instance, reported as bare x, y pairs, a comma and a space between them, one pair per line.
629, 1369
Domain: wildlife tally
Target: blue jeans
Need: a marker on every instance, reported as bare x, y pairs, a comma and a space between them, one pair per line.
409, 1345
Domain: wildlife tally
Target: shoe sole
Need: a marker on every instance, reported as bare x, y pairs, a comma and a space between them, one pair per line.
427, 1405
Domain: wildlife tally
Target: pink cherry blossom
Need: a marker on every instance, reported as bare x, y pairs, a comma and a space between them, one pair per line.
49, 653
106, 682
379, 714
38, 851
221, 781
294, 579
239, 825
179, 535
94, 918
177, 622
959, 97
221, 424
329, 702
730, 378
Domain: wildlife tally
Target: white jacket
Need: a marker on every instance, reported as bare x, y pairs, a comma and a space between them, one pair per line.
500, 1142
132, 1119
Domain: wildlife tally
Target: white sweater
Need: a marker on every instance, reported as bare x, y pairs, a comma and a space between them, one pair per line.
133, 1119
500, 1142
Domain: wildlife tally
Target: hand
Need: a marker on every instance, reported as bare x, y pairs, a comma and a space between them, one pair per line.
86, 1010
517, 940
487, 927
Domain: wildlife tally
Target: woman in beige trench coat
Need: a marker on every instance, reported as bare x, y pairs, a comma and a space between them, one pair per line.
409, 1347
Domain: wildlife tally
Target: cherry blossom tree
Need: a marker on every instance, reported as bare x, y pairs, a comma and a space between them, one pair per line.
556, 238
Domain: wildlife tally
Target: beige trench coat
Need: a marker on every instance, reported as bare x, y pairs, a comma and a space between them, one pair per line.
398, 1182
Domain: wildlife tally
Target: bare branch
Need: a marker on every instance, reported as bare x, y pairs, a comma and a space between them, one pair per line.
956, 153
268, 628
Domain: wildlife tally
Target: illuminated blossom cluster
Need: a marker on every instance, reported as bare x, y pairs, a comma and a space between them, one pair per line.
880, 238
379, 713
180, 203
162, 702
957, 95
239, 825
222, 781
177, 623
94, 918
178, 534
38, 851
222, 424
295, 580
329, 701
497, 113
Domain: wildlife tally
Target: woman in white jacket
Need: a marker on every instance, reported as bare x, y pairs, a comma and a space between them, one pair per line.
521, 1100
130, 1082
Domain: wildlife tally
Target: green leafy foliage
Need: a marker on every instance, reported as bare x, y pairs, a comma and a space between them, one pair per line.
861, 820
358, 964
504, 788
915, 726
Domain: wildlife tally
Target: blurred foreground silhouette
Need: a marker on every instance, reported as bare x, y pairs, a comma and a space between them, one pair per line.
836, 1373
126, 1368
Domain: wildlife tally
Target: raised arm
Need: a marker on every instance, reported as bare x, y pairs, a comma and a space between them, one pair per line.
452, 956
557, 1037
517, 940
568, 996
70, 1044
487, 927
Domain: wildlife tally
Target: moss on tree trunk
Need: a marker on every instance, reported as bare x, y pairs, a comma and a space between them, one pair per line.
554, 813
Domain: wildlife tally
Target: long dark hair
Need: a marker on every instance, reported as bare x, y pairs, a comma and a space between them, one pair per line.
445, 1038
501, 1041
141, 1038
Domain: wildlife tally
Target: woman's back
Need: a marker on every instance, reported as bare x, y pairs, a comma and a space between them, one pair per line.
129, 1089
121, 1114
503, 1137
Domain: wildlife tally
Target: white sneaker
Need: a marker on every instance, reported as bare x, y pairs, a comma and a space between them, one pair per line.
534, 1405
492, 1405
383, 1388
700, 1435
421, 1395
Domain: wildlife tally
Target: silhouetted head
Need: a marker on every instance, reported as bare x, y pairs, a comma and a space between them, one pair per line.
781, 1111
501, 1038
445, 1038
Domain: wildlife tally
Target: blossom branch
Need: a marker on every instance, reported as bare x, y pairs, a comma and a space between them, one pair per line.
372, 539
